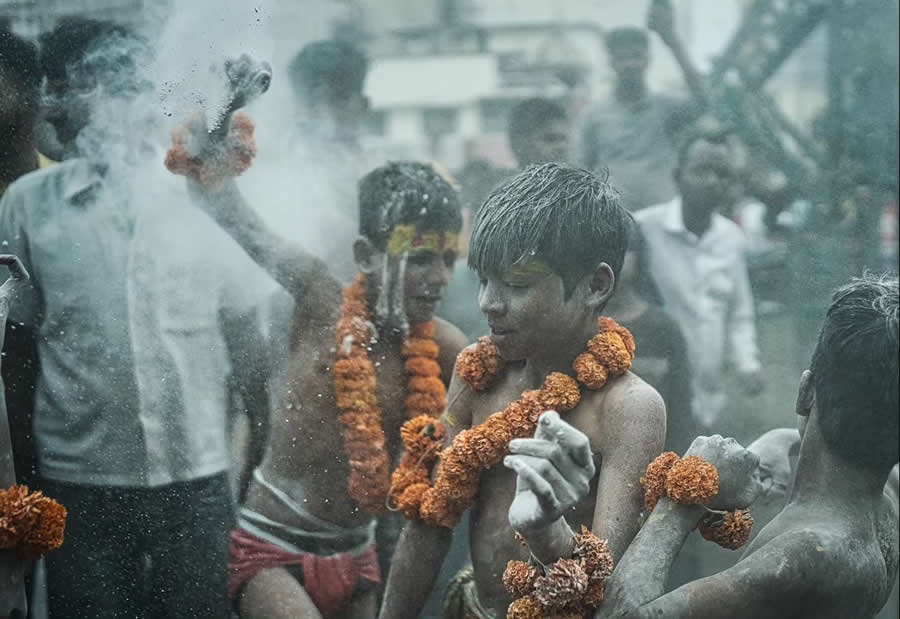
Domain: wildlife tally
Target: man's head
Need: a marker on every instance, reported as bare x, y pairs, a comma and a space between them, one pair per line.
629, 53
78, 56
852, 384
548, 246
327, 78
539, 131
409, 220
20, 80
705, 172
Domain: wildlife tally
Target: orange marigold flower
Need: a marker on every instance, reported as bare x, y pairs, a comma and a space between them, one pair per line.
435, 511
48, 533
410, 501
565, 583
419, 366
234, 158
354, 369
610, 351
413, 431
426, 401
692, 480
604, 323
425, 330
596, 591
594, 554
525, 608
731, 530
590, 372
560, 392
404, 477
418, 347
478, 365
654, 480
427, 384
519, 577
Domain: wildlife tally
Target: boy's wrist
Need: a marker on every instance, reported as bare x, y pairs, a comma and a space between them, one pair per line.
551, 542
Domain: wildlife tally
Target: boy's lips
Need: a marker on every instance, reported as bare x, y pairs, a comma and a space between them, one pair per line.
497, 330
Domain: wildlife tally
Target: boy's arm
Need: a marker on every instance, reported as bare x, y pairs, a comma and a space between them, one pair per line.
631, 433
422, 548
299, 272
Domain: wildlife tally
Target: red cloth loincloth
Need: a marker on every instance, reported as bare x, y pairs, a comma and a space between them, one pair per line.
329, 581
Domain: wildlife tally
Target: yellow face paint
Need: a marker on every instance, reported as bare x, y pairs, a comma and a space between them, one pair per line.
406, 238
450, 419
527, 269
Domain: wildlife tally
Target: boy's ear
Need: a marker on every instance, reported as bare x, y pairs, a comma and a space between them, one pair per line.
805, 395
368, 257
602, 283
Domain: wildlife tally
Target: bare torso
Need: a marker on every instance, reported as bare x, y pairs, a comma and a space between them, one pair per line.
492, 540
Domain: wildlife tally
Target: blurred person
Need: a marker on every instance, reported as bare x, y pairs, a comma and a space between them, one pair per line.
62, 49
305, 544
842, 504
130, 411
661, 357
697, 258
636, 133
548, 246
539, 132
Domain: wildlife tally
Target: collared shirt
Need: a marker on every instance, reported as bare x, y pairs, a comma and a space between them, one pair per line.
637, 143
129, 281
705, 288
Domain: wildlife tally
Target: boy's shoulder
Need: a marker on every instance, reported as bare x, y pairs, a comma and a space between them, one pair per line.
625, 407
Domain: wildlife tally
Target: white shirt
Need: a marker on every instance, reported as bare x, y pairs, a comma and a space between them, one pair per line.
705, 288
127, 290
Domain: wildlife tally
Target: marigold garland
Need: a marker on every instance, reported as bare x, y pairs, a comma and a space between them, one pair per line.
232, 158
693, 481
30, 523
568, 588
484, 446
369, 482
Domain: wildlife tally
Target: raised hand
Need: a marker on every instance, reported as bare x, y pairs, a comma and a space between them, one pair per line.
774, 450
661, 19
18, 275
738, 468
554, 472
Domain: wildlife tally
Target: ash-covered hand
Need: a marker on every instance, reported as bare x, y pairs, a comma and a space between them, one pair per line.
661, 19
738, 468
774, 450
554, 471
18, 275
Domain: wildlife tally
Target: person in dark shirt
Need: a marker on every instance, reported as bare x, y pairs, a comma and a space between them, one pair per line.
661, 357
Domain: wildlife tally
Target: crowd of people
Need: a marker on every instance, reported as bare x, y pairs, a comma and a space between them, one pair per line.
537, 358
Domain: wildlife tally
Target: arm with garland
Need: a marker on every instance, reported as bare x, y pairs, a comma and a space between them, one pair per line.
422, 547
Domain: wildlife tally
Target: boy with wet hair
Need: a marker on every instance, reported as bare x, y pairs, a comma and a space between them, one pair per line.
828, 553
305, 541
538, 131
548, 246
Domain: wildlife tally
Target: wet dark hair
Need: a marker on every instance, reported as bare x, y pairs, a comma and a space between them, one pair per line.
854, 371
328, 71
563, 215
19, 62
406, 192
528, 116
626, 37
69, 42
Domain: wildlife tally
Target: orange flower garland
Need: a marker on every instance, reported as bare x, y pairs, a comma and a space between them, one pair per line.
232, 158
30, 522
484, 446
568, 588
354, 386
694, 481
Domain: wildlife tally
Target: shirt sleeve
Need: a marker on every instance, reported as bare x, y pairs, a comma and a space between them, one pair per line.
14, 240
742, 321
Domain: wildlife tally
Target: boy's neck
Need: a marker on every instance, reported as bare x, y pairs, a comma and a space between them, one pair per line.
626, 305
559, 355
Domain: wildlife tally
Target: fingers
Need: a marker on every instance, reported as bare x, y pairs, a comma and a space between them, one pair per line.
570, 439
16, 268
533, 481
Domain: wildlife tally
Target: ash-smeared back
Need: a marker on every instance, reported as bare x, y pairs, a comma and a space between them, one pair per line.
566, 216
406, 192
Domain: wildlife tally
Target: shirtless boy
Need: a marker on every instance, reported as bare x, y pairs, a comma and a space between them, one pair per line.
547, 246
822, 555
304, 547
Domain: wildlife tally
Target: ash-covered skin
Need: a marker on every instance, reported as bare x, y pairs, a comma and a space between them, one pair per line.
12, 568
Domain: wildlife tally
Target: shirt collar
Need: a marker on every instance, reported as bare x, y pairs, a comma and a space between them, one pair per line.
674, 221
84, 176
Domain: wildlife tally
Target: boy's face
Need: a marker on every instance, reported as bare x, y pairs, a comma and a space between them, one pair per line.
706, 177
527, 309
427, 275
549, 142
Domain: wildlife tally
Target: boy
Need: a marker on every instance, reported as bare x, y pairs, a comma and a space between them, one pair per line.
826, 553
547, 246
305, 544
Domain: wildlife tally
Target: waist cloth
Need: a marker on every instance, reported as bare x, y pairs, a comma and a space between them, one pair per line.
460, 599
333, 559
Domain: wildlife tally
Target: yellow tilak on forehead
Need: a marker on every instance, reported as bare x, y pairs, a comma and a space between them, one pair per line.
406, 237
528, 267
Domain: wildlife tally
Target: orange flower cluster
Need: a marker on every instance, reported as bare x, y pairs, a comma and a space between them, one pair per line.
609, 353
729, 530
31, 523
694, 481
354, 385
569, 588
479, 365
232, 158
654, 480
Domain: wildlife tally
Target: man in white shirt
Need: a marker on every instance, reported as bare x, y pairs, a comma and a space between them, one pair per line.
697, 258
